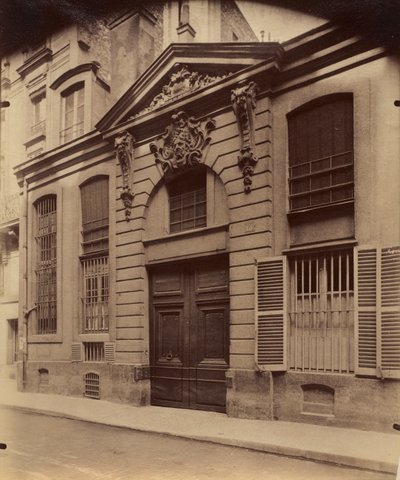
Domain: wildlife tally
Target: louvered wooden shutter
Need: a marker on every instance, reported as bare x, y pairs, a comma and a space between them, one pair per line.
271, 314
390, 307
378, 311
109, 351
366, 334
76, 352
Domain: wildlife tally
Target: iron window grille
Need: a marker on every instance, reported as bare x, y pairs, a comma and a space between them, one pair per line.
321, 312
94, 351
46, 265
92, 385
321, 153
94, 261
188, 202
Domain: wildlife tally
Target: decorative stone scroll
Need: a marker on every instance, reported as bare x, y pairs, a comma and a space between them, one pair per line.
181, 82
244, 103
124, 148
182, 143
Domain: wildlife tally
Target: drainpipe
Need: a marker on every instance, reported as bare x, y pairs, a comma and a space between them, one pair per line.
25, 310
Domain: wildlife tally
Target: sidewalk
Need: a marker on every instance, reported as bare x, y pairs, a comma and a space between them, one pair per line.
349, 447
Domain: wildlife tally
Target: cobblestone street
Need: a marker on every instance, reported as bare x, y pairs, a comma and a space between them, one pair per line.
42, 447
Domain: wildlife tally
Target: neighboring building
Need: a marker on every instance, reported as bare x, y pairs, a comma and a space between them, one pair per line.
226, 236
9, 230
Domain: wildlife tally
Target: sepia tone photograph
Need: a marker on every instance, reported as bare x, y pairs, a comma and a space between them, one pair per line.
199, 240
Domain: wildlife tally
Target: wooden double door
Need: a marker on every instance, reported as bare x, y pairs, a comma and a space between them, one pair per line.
190, 335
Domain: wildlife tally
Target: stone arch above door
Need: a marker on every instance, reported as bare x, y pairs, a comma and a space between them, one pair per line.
198, 193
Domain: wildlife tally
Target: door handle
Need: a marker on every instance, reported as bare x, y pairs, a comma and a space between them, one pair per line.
169, 356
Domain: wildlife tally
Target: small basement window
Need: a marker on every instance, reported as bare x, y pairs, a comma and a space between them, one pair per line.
94, 351
92, 385
188, 201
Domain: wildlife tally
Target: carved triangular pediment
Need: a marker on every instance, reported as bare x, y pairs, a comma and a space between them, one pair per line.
183, 70
182, 81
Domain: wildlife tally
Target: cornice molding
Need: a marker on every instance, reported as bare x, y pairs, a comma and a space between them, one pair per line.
84, 67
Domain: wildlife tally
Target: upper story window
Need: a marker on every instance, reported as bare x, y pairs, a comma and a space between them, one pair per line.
321, 153
46, 264
72, 113
94, 261
38, 114
188, 201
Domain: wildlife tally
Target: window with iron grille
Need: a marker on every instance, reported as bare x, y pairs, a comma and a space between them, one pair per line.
94, 261
321, 312
46, 265
188, 202
72, 113
92, 385
94, 351
321, 153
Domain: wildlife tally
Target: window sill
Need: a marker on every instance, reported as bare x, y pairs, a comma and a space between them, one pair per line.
186, 233
332, 209
94, 337
50, 338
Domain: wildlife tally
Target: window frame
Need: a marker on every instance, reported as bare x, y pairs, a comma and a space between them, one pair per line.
333, 165
99, 260
77, 127
197, 195
33, 198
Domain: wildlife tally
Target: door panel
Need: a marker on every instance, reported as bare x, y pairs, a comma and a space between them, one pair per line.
190, 335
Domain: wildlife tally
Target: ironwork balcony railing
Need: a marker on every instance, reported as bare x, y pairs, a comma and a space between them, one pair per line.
39, 128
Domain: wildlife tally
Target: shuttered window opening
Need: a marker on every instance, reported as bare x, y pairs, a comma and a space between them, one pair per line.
390, 291
95, 286
94, 351
321, 312
321, 153
46, 265
270, 314
366, 327
92, 385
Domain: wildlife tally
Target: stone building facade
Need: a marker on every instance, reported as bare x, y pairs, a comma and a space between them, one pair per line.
226, 236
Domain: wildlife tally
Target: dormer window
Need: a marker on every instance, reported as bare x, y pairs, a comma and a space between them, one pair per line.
188, 201
72, 113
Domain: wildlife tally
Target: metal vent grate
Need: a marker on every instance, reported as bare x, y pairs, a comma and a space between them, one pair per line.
92, 385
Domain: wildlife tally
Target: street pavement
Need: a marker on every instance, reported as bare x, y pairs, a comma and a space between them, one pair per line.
349, 447
47, 448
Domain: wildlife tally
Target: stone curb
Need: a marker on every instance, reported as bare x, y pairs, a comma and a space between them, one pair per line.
298, 453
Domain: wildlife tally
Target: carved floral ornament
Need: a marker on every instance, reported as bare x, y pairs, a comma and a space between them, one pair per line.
124, 144
244, 103
181, 82
182, 143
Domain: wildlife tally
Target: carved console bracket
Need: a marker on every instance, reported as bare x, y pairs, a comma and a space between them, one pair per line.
244, 103
182, 143
124, 145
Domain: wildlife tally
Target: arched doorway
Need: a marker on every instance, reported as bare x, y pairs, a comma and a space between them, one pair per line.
188, 270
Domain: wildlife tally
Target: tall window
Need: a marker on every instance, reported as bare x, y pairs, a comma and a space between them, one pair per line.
321, 153
72, 113
46, 265
38, 114
188, 201
94, 261
321, 312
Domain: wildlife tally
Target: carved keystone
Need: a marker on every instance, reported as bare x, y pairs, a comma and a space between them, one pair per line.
182, 143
